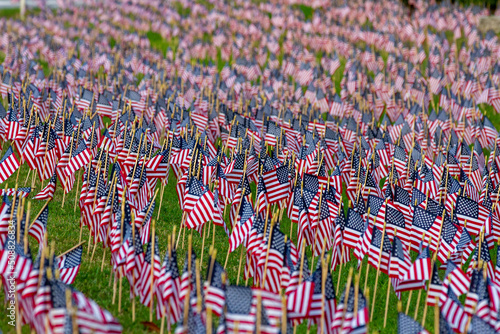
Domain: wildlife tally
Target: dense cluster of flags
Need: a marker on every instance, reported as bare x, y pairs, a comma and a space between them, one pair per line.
394, 158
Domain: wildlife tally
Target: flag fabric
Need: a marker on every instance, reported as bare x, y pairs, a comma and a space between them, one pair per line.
69, 265
215, 296
39, 226
8, 165
406, 324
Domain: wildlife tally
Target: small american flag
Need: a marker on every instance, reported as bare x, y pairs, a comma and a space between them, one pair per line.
69, 265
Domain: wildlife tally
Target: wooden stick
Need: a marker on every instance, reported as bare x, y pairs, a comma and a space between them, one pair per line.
378, 271
283, 315
203, 243
198, 286
42, 261
302, 257
76, 190
387, 301
267, 255
72, 248
180, 231
356, 294
259, 312
153, 253
340, 266
388, 291
239, 266
120, 295
26, 224
133, 276
418, 304
347, 291
209, 320
27, 177
409, 301
436, 316
323, 285
161, 200
186, 306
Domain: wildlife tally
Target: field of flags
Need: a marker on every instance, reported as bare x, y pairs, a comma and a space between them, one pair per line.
204, 166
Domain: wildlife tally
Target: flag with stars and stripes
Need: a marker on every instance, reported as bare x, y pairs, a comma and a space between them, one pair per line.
8, 165
277, 183
379, 252
69, 265
425, 222
215, 296
239, 306
48, 191
406, 325
474, 213
39, 226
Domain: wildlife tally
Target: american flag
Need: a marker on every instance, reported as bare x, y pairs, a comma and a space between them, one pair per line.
39, 226
238, 314
474, 213
69, 265
170, 282
104, 106
48, 191
476, 287
355, 226
86, 99
202, 210
453, 311
274, 256
435, 287
59, 321
277, 184
478, 325
80, 157
421, 268
379, 252
345, 320
450, 236
8, 165
243, 224
316, 309
426, 222
400, 261
406, 324
150, 273
215, 296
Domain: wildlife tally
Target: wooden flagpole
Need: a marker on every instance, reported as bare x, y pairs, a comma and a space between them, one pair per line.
198, 286
153, 253
378, 271
267, 254
77, 193
72, 248
347, 292
26, 224
368, 264
133, 276
203, 242
239, 266
324, 273
388, 290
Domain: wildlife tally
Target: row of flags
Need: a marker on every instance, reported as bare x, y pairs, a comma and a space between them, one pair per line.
396, 158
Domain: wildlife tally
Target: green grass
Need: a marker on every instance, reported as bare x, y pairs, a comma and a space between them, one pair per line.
10, 13
183, 11
160, 44
308, 11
